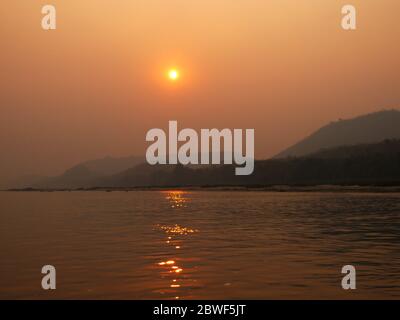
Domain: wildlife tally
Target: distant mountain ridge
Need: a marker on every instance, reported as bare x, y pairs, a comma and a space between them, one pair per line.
89, 173
369, 164
365, 164
387, 147
370, 128
343, 152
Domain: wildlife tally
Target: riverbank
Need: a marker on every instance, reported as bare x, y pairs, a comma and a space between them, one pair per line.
280, 188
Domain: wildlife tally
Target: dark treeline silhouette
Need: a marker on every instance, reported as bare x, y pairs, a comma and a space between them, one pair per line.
374, 164
343, 152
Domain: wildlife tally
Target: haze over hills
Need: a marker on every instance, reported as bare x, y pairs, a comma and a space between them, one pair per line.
370, 128
110, 165
363, 150
98, 172
85, 174
364, 164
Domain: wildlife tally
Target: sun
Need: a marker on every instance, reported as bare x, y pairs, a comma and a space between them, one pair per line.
173, 74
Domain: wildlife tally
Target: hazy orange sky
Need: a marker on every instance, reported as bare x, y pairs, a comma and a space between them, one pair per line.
97, 84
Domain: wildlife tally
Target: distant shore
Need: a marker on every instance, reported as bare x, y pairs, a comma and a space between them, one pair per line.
280, 188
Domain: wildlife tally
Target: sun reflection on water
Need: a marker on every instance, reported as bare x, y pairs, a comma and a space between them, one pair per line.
177, 229
173, 268
177, 198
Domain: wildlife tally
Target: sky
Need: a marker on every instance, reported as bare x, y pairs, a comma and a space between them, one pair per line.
94, 86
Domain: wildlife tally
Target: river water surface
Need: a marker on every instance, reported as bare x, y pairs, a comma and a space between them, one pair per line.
199, 244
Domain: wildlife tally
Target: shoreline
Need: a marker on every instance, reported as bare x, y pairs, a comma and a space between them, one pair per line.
278, 188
